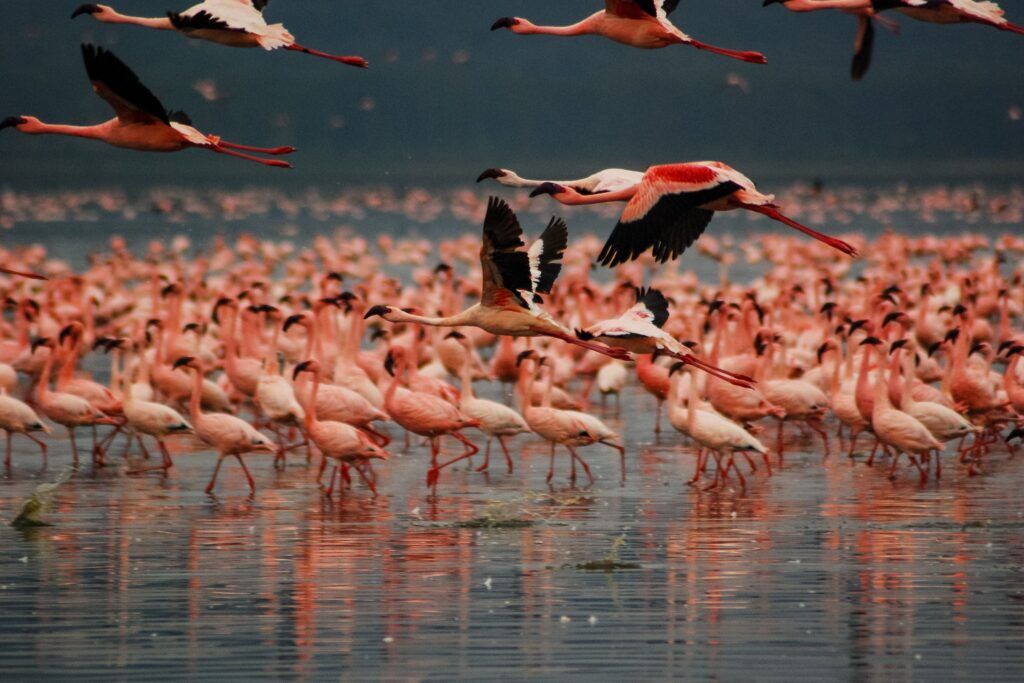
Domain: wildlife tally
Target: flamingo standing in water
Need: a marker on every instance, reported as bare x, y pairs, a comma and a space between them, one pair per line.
930, 11
235, 23
673, 204
637, 23
513, 281
141, 122
226, 433
17, 417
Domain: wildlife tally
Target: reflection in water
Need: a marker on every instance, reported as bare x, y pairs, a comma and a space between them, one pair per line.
827, 567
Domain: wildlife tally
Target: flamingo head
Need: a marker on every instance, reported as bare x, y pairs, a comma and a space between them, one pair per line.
529, 353
952, 336
310, 366
897, 345
222, 302
825, 348
895, 317
13, 122
492, 174
395, 357
88, 8
71, 331
304, 319
766, 3
505, 22
42, 341
549, 189
676, 367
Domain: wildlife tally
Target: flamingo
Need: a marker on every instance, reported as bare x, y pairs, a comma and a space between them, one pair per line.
637, 23
425, 414
141, 122
234, 23
513, 281
673, 204
497, 421
336, 440
17, 417
639, 330
863, 44
228, 434
608, 180
930, 11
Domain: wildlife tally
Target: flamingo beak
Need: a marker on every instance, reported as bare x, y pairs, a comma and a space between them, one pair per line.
12, 122
547, 188
182, 362
89, 8
491, 174
292, 320
300, 368
504, 22
389, 364
376, 310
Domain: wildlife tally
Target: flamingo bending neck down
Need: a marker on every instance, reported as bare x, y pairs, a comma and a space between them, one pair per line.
141, 122
234, 23
513, 281
637, 23
670, 208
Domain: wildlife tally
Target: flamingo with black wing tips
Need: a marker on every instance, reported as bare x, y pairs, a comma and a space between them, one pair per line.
639, 330
930, 11
234, 23
864, 43
141, 122
513, 281
637, 23
608, 180
673, 204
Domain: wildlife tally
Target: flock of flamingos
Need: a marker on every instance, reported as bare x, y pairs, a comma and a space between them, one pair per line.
919, 348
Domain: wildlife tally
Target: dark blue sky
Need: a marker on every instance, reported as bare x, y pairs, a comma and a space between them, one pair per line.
935, 103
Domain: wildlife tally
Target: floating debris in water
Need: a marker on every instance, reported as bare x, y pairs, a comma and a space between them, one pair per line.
610, 562
39, 503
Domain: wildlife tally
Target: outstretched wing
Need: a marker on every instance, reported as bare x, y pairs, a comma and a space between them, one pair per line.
665, 215
658, 9
651, 307
121, 88
545, 256
504, 266
862, 47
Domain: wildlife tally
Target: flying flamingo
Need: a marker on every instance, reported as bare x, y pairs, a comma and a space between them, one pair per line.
608, 180
639, 330
864, 42
930, 11
637, 23
673, 204
513, 281
336, 440
226, 433
141, 122
234, 23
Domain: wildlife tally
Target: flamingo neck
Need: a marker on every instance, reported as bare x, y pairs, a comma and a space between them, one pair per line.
43, 388
466, 377
113, 17
310, 406
881, 388
97, 132
194, 405
580, 28
459, 319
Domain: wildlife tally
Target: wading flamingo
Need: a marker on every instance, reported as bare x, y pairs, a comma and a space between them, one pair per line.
234, 23
513, 281
141, 122
673, 204
16, 417
228, 434
637, 23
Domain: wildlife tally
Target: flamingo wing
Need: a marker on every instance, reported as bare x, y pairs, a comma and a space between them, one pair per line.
863, 47
633, 9
651, 307
545, 256
221, 15
117, 84
506, 269
665, 214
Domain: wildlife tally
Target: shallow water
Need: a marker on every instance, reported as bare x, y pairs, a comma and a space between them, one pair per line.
825, 569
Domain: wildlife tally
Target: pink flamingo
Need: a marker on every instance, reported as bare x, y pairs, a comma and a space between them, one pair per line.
141, 122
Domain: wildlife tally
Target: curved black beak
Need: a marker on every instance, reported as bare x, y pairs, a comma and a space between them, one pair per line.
547, 188
504, 22
389, 364
12, 122
523, 356
292, 320
184, 360
300, 368
491, 174
42, 341
89, 8
376, 310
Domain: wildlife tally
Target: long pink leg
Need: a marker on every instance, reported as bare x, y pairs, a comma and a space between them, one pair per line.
252, 483
378, 438
42, 446
366, 480
586, 467
216, 471
471, 448
742, 55
260, 150
611, 352
504, 449
248, 157
23, 273
699, 468
74, 445
776, 215
329, 491
551, 465
487, 457
350, 60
